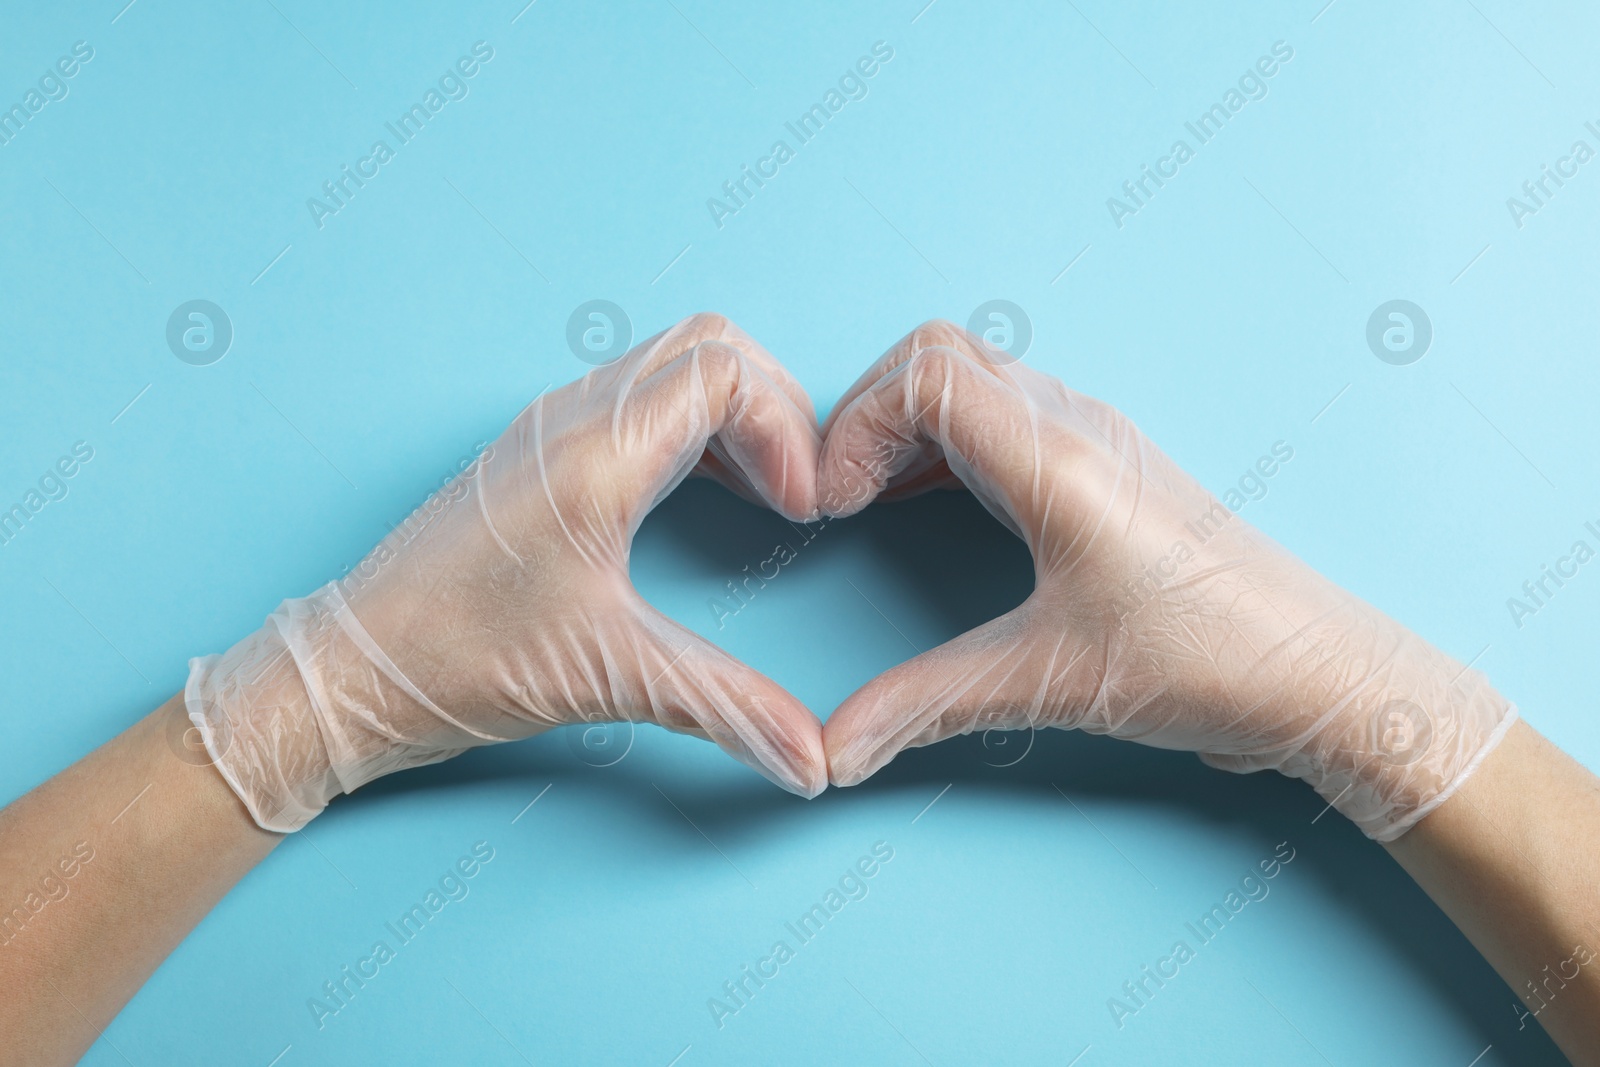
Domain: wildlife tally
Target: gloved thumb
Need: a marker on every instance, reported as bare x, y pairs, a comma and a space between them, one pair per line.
691, 686
994, 677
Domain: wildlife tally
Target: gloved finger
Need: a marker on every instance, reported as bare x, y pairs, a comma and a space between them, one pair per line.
916, 480
708, 326
715, 468
652, 354
977, 421
936, 333
715, 397
734, 335
983, 680
691, 686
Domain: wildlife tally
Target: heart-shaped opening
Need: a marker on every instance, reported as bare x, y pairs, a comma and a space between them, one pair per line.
823, 607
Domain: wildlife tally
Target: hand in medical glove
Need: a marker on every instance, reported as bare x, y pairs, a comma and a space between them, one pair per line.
503, 606
1157, 615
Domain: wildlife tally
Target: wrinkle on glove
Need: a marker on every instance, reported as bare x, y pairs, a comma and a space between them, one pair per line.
502, 607
1157, 616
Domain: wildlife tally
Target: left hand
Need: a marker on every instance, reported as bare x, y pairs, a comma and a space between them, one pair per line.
503, 607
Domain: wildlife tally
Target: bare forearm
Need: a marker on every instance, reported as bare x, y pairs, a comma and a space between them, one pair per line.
103, 870
1512, 859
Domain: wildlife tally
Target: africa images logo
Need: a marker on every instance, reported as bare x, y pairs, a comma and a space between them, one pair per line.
1252, 85
452, 85
852, 85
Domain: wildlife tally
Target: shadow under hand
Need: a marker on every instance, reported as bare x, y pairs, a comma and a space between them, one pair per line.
1066, 772
951, 567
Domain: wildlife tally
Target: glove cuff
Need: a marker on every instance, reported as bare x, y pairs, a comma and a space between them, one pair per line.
309, 707
260, 729
1402, 757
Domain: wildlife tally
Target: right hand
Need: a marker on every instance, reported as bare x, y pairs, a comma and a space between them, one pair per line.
1157, 616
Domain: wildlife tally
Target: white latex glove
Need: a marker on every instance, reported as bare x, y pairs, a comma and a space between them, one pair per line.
1157, 616
503, 606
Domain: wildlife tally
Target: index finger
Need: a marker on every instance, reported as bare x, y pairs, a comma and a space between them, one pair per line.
935, 333
653, 353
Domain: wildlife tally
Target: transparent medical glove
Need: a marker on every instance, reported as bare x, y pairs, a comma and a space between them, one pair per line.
1158, 616
503, 606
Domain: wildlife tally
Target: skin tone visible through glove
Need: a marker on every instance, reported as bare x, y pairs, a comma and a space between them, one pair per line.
503, 606
1511, 858
1157, 616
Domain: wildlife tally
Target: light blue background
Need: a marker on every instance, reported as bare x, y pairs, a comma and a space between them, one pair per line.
377, 350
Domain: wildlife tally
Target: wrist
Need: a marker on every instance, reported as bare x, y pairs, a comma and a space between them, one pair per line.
1413, 730
309, 707
259, 730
